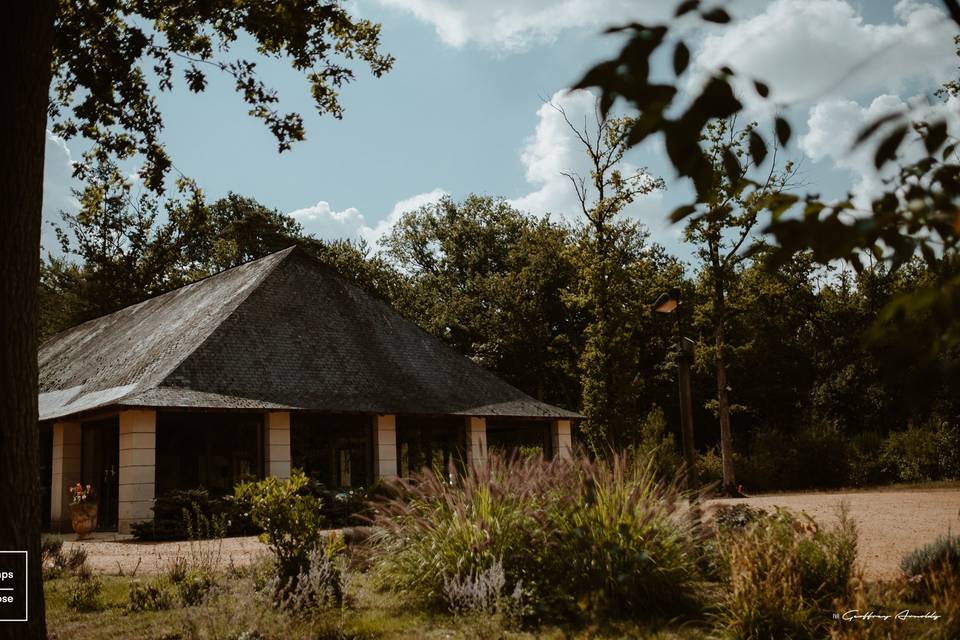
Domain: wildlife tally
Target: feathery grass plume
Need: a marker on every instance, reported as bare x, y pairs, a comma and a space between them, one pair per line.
583, 538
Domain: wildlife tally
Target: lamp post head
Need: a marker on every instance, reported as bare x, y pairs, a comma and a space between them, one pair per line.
667, 302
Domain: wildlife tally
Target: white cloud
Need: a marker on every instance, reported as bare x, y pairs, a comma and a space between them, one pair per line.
510, 24
324, 222
554, 149
57, 194
513, 25
373, 235
810, 50
834, 125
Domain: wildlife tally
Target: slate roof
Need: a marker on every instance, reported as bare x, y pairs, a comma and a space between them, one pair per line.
281, 332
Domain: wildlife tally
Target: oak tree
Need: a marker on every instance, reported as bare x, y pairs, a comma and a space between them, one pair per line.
94, 68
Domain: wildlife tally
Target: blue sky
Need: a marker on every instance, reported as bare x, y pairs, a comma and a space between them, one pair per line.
463, 112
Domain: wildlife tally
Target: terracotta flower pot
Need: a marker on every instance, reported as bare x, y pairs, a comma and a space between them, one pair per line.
83, 517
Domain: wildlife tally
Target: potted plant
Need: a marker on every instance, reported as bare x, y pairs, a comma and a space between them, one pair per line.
83, 510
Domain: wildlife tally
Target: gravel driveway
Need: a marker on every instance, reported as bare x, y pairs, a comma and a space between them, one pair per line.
891, 523
115, 554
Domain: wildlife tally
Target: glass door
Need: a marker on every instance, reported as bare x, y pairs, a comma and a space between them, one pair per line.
100, 462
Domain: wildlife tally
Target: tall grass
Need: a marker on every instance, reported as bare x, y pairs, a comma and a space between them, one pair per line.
578, 538
785, 574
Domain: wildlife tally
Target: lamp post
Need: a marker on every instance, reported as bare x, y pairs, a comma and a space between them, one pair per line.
669, 302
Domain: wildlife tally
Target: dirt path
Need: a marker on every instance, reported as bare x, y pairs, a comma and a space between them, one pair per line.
892, 523
115, 555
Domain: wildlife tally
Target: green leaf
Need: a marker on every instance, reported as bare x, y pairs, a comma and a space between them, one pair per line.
783, 131
778, 203
680, 213
732, 166
681, 58
758, 148
873, 126
600, 75
686, 7
717, 15
888, 148
936, 135
761, 88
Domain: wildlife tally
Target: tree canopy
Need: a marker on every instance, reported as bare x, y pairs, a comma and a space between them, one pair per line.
915, 215
111, 56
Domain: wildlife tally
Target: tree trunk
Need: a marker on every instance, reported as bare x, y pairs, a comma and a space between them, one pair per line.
723, 411
26, 39
723, 399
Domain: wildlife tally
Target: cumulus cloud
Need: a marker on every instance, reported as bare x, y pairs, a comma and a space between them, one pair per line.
834, 125
324, 222
811, 50
373, 234
57, 194
554, 149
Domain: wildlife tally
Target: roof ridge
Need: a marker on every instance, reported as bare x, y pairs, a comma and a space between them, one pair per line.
236, 301
290, 250
333, 271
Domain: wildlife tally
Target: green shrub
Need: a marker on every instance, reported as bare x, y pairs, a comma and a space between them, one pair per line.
784, 574
55, 562
193, 587
343, 507
783, 460
52, 560
75, 559
911, 455
576, 538
944, 552
322, 582
84, 593
51, 545
291, 519
947, 439
156, 595
710, 467
725, 519
658, 445
735, 516
168, 520
865, 467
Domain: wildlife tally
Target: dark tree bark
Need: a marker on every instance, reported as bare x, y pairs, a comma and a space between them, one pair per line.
26, 39
723, 398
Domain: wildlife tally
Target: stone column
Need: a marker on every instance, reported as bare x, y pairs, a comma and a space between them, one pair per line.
137, 475
385, 447
476, 441
277, 444
560, 439
65, 472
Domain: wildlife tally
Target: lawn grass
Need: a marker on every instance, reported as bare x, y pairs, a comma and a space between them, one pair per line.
113, 622
370, 614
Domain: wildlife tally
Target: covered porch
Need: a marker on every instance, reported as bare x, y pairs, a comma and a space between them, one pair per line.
131, 456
